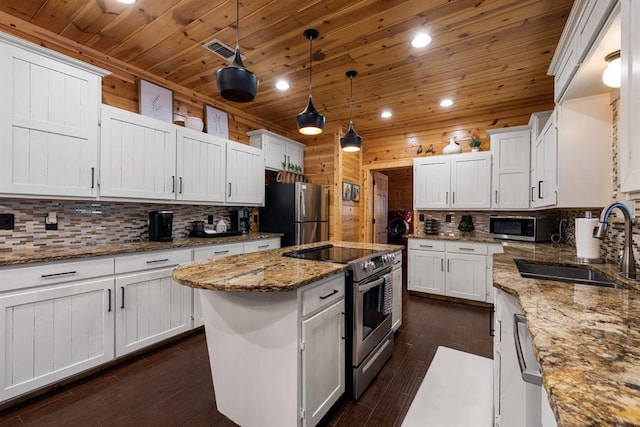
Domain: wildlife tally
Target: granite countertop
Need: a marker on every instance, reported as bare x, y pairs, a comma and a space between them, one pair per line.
266, 271
456, 237
28, 256
586, 338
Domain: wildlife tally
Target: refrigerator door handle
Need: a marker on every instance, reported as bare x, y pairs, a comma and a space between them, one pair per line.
302, 207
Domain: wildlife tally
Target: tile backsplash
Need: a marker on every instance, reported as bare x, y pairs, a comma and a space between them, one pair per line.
83, 222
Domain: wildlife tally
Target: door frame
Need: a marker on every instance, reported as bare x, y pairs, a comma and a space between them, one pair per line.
367, 193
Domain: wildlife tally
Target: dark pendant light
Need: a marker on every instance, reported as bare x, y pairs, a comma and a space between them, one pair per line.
351, 141
235, 82
310, 122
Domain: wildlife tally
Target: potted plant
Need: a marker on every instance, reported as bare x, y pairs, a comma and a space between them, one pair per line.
475, 143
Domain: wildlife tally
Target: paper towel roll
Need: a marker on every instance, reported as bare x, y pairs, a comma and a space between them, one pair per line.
587, 246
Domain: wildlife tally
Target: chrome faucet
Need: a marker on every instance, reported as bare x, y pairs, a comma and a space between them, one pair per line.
627, 262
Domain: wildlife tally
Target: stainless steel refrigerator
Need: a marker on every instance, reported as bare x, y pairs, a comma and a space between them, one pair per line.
298, 210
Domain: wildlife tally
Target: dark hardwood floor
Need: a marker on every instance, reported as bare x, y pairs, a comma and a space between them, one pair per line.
171, 386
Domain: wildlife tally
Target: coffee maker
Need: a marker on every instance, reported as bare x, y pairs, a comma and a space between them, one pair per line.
240, 220
160, 226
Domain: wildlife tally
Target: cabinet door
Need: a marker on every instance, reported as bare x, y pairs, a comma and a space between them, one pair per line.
511, 169
431, 182
245, 175
200, 166
426, 272
467, 276
275, 152
53, 332
471, 181
323, 362
546, 166
150, 307
396, 277
630, 100
49, 122
295, 154
137, 156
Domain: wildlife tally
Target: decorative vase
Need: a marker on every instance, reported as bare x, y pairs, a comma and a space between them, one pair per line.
475, 149
466, 223
453, 146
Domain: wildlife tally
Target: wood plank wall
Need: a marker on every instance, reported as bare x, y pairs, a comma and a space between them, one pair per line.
351, 212
400, 189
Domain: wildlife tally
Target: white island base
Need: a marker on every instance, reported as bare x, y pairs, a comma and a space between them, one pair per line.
277, 358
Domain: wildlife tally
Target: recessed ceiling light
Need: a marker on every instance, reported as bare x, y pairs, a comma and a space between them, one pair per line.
282, 84
421, 40
446, 102
127, 1
386, 114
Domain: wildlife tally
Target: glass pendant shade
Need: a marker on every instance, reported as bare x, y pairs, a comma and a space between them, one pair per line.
309, 121
612, 74
235, 82
351, 141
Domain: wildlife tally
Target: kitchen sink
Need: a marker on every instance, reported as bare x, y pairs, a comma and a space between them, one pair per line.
562, 273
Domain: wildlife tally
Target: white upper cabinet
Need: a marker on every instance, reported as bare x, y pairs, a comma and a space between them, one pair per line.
137, 156
573, 156
583, 27
279, 152
431, 182
471, 181
201, 166
49, 121
511, 148
460, 181
630, 100
245, 175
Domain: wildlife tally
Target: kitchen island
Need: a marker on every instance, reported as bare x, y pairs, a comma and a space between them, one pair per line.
586, 338
275, 333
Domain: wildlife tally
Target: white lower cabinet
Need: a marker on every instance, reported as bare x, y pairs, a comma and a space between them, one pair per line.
396, 280
516, 402
283, 352
452, 268
54, 331
323, 363
150, 306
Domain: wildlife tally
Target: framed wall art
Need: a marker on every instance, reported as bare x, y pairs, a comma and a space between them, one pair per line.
346, 191
217, 122
355, 192
155, 101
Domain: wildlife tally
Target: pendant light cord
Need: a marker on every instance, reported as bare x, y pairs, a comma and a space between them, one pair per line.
310, 62
237, 24
351, 101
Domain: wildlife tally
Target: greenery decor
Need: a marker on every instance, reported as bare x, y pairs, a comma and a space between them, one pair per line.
475, 141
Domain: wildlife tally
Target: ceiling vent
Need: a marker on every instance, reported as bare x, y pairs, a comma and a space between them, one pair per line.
222, 50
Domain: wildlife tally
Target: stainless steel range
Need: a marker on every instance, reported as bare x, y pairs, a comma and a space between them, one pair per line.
368, 301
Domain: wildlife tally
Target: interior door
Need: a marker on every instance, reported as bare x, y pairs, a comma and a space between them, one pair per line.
381, 207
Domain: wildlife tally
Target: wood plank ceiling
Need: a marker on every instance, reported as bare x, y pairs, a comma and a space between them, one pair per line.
487, 55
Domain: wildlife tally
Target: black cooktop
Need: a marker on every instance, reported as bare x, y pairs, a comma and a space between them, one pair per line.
330, 253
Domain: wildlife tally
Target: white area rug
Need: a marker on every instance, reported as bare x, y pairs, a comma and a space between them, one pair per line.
456, 392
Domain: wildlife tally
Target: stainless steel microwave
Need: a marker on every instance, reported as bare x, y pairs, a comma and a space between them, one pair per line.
524, 228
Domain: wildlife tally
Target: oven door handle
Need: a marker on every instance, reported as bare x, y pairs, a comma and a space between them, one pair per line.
367, 286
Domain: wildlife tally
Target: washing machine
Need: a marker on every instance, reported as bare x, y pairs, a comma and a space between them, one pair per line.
400, 226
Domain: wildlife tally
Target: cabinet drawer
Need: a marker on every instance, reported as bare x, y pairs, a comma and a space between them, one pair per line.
427, 245
216, 251
54, 272
150, 260
467, 248
261, 245
322, 295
